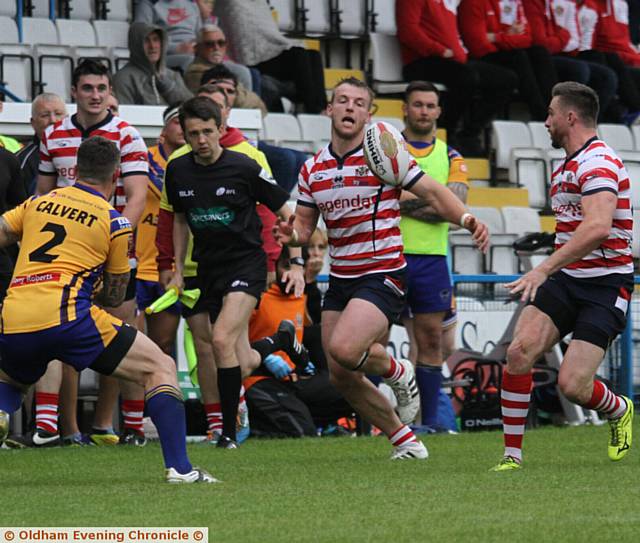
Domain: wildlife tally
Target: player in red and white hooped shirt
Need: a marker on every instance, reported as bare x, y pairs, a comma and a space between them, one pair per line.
91, 89
367, 285
585, 286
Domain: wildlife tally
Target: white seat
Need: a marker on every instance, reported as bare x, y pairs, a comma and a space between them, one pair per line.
38, 31
8, 31
82, 9
635, 130
631, 161
398, 123
520, 220
385, 16
491, 216
318, 19
352, 14
315, 128
506, 136
384, 53
283, 130
119, 10
75, 32
41, 8
16, 72
111, 33
617, 136
555, 159
465, 258
55, 69
528, 168
539, 135
8, 9
286, 14
501, 259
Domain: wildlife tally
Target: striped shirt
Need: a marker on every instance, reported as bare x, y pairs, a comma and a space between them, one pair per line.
361, 213
594, 168
59, 149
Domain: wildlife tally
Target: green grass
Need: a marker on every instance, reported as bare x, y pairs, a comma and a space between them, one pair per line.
341, 490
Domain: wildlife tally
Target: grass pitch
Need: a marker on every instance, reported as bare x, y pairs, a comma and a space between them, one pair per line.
341, 490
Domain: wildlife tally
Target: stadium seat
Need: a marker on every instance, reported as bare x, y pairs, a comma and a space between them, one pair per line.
508, 135
520, 220
635, 247
617, 136
398, 123
317, 18
387, 107
283, 130
41, 9
352, 18
539, 135
528, 169
38, 31
7, 9
501, 258
119, 10
111, 33
75, 32
315, 128
384, 17
55, 67
465, 259
635, 130
82, 9
386, 63
17, 73
333, 75
285, 11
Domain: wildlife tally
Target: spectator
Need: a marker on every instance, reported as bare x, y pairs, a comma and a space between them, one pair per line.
551, 22
145, 79
613, 35
237, 92
256, 41
46, 109
211, 50
498, 32
181, 20
431, 49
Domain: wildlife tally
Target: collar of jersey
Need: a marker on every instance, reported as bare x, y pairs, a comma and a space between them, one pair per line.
342, 158
87, 188
89, 129
586, 144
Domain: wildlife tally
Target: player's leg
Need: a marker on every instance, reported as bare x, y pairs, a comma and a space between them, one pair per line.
11, 393
348, 337
47, 400
230, 323
534, 335
162, 328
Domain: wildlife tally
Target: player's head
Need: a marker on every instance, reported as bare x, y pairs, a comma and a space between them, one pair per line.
172, 133
219, 96
421, 107
46, 109
113, 105
98, 162
212, 44
573, 105
350, 108
91, 87
201, 121
224, 78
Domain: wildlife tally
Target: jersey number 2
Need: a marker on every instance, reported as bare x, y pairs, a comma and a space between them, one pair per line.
40, 254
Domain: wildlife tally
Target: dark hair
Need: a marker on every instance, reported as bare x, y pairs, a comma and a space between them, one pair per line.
211, 88
89, 67
98, 159
220, 71
354, 82
419, 86
202, 108
579, 97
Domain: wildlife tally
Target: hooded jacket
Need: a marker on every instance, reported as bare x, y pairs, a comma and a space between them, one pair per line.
139, 82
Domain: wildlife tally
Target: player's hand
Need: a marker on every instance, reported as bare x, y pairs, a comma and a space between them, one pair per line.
176, 281
164, 277
283, 231
479, 231
294, 281
277, 366
527, 285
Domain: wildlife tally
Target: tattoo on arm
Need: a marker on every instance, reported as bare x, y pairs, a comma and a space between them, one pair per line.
114, 288
7, 236
418, 208
460, 190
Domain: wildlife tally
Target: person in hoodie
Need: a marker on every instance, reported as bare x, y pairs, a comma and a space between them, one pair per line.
145, 79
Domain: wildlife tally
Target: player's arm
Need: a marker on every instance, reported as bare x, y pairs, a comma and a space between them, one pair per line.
298, 227
135, 189
597, 217
180, 243
450, 208
116, 271
419, 208
114, 289
45, 184
294, 277
7, 235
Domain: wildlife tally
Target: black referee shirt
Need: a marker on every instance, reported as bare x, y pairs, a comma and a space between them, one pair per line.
219, 202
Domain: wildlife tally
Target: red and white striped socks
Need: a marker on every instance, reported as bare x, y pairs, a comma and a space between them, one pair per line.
401, 436
395, 371
132, 411
606, 402
47, 412
214, 417
514, 400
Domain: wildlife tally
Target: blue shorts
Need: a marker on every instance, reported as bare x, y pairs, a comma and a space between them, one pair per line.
429, 287
95, 340
148, 292
386, 291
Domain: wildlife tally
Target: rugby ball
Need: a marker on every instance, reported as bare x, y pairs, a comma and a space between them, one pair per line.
386, 153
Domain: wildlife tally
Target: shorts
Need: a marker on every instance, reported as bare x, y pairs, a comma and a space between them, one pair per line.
148, 292
429, 286
451, 316
131, 286
595, 309
248, 275
95, 340
387, 291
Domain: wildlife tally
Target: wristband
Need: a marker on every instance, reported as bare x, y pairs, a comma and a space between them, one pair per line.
464, 218
297, 260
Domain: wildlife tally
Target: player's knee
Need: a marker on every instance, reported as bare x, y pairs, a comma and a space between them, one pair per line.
518, 357
573, 388
344, 354
164, 369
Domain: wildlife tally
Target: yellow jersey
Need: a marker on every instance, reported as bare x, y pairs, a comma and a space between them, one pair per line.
69, 238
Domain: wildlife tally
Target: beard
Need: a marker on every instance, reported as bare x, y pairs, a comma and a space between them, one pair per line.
421, 129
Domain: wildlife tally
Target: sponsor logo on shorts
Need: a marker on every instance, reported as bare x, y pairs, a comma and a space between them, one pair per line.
23, 280
239, 283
